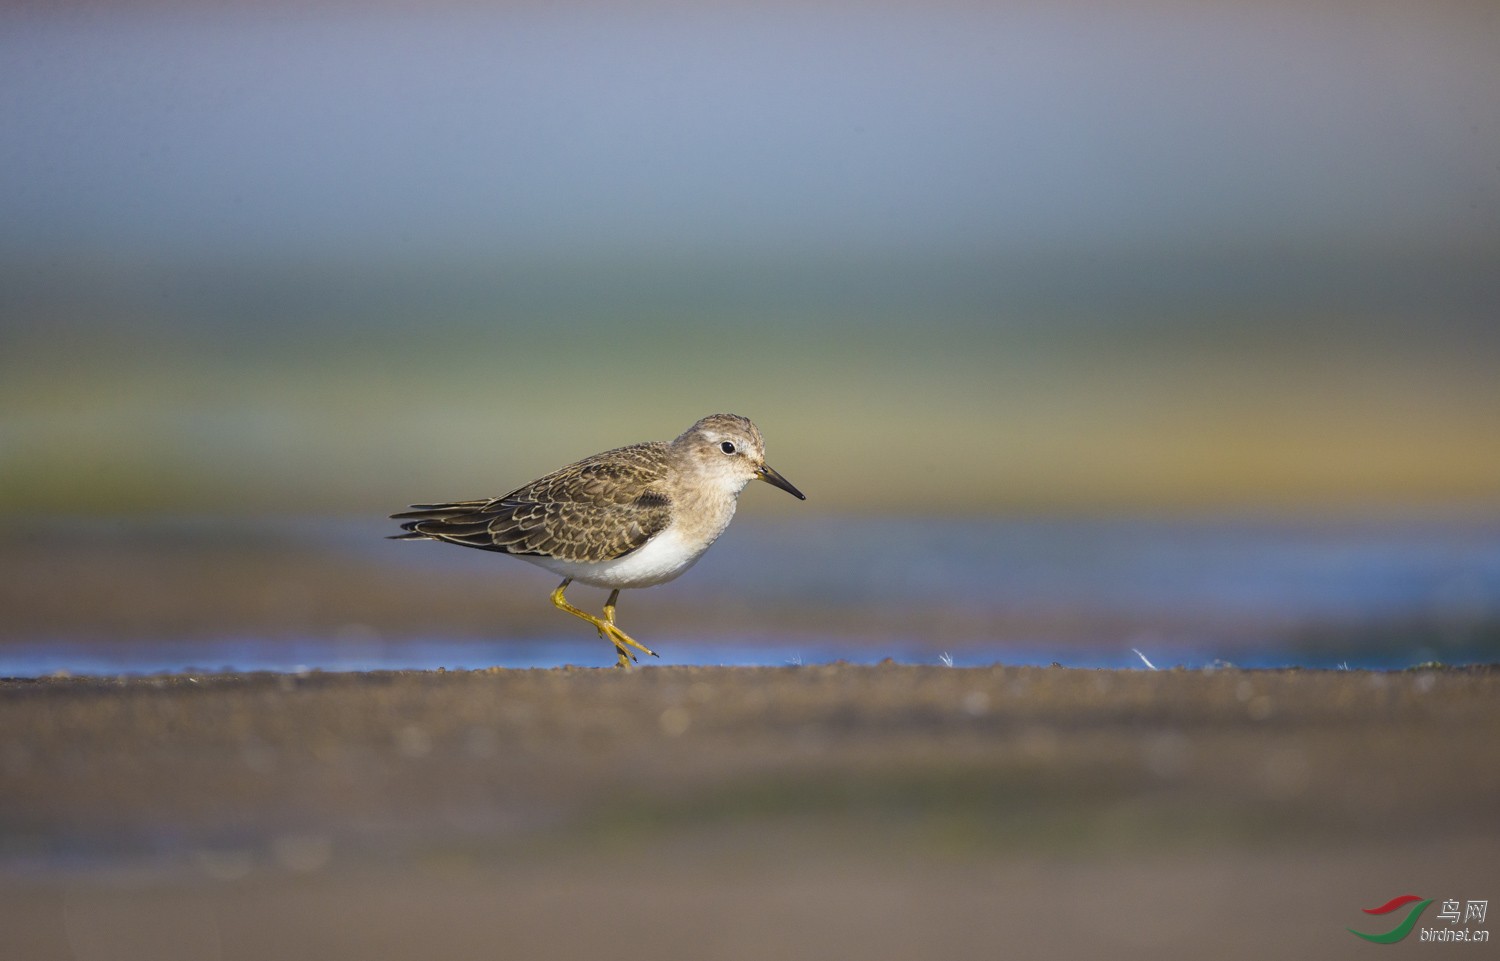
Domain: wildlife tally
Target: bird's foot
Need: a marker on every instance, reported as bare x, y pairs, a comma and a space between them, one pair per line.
621, 640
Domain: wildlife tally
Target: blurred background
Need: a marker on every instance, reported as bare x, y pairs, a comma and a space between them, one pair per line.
1154, 325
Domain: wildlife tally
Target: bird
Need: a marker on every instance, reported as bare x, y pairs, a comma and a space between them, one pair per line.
631, 517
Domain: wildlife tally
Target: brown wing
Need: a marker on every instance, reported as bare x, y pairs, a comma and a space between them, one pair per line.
598, 509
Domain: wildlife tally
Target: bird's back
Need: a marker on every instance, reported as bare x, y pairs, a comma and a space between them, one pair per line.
598, 509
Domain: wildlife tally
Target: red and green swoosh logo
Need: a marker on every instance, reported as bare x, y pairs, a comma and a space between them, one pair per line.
1404, 928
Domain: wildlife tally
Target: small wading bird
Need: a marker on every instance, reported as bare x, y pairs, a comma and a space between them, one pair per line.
635, 516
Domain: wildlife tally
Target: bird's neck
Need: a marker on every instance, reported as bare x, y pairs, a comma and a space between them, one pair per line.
704, 510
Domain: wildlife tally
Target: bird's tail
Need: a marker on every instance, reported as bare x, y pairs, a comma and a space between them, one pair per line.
461, 522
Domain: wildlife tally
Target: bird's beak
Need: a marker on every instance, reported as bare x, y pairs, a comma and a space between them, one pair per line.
769, 475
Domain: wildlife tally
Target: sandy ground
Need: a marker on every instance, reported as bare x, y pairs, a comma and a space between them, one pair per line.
832, 811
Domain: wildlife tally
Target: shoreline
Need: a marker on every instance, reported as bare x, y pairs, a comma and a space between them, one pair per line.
552, 812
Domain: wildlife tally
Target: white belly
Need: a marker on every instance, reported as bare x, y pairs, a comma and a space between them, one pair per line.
662, 558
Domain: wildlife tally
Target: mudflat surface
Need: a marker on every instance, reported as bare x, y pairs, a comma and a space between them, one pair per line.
874, 812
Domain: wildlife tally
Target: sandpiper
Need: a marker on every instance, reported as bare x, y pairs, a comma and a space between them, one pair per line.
635, 516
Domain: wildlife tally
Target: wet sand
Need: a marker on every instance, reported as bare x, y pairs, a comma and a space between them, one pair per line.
830, 811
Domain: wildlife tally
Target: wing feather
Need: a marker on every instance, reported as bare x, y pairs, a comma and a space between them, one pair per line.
599, 509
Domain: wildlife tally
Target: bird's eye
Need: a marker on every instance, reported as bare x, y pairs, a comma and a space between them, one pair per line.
727, 447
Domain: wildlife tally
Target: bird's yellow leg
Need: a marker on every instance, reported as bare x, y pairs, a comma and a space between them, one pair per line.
605, 627
617, 635
625, 655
